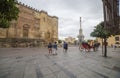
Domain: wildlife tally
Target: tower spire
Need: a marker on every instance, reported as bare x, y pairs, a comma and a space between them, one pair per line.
80, 36
80, 23
80, 31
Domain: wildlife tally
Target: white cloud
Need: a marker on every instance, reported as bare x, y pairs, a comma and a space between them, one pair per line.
69, 12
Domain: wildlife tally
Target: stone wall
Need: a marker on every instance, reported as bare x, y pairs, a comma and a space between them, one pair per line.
31, 24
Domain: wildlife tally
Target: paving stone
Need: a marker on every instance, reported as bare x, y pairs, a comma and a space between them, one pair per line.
17, 72
54, 68
114, 74
30, 71
83, 76
4, 74
61, 74
45, 70
36, 63
50, 76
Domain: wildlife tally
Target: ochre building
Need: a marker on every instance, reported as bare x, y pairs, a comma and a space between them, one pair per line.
70, 40
32, 27
113, 40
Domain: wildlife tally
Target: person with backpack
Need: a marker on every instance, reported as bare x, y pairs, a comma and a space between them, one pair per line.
50, 48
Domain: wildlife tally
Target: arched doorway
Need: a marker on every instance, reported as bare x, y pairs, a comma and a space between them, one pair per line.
26, 30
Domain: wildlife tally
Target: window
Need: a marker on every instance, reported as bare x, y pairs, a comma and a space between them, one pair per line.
117, 43
117, 39
44, 19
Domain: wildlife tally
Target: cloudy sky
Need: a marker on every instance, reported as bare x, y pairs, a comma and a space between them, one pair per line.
69, 13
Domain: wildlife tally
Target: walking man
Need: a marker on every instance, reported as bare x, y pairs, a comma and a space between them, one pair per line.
55, 48
65, 47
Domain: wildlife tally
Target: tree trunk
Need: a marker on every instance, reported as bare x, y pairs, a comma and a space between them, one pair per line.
102, 46
105, 45
104, 10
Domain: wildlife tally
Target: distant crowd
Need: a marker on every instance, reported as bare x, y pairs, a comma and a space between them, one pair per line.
53, 48
84, 46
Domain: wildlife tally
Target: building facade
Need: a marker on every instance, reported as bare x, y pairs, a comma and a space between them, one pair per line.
113, 40
111, 16
32, 26
70, 40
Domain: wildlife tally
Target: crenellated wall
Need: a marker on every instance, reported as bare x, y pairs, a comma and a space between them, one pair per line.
32, 24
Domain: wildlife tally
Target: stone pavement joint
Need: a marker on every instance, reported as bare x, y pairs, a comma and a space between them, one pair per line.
47, 56
101, 74
39, 74
116, 68
71, 75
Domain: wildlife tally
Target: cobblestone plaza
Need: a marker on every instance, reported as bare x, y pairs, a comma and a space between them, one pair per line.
36, 63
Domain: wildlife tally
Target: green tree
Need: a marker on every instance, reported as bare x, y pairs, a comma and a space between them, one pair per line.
59, 41
8, 12
100, 32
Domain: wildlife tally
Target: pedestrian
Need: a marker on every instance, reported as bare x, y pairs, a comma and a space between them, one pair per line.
65, 47
114, 46
55, 48
50, 48
94, 47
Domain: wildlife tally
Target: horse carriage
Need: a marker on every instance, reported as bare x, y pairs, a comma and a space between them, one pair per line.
87, 47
